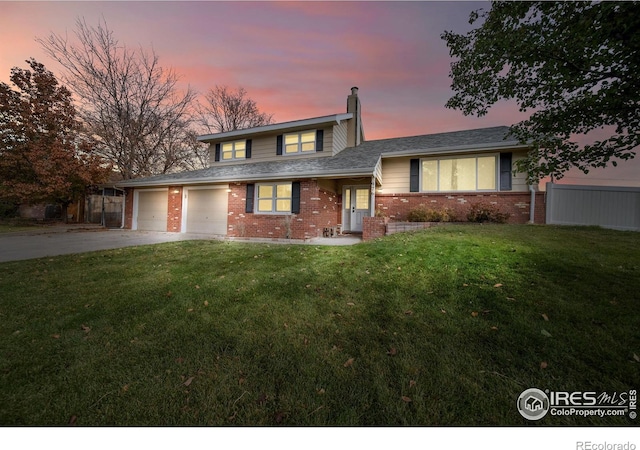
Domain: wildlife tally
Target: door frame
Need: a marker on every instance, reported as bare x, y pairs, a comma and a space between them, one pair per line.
351, 213
185, 202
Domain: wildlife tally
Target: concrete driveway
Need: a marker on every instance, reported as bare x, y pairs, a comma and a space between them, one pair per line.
54, 241
65, 240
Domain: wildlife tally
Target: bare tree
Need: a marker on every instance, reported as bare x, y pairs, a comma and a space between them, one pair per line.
131, 103
226, 110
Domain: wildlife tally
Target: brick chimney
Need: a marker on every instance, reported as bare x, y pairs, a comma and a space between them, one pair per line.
355, 133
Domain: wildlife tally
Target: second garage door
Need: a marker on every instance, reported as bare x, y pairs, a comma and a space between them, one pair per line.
207, 211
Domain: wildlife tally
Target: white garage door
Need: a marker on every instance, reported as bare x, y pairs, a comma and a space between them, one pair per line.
207, 211
152, 210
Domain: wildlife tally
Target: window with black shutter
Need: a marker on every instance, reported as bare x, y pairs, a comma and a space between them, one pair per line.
249, 200
414, 175
295, 197
505, 171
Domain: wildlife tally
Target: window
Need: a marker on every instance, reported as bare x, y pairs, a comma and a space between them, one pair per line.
233, 150
302, 142
362, 198
273, 198
459, 174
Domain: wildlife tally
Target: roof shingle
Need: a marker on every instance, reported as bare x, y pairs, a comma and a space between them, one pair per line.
352, 161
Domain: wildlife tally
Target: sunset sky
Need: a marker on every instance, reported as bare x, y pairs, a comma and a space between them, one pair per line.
295, 59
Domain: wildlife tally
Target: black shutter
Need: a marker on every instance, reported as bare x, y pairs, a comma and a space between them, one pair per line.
505, 171
279, 145
217, 154
295, 197
319, 140
249, 205
414, 175
247, 151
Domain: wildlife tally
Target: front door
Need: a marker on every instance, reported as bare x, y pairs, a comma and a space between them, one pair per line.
355, 206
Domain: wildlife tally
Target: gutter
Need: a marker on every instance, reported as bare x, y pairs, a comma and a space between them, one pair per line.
337, 118
471, 148
259, 177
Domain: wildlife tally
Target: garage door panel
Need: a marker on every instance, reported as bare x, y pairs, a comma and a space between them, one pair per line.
152, 210
207, 211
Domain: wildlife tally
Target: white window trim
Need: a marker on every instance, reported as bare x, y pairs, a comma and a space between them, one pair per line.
496, 172
233, 150
274, 198
299, 135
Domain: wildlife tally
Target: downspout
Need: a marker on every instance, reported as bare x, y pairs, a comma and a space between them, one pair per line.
532, 204
102, 221
124, 202
357, 138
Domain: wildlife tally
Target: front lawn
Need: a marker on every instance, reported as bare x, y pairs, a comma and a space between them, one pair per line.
442, 327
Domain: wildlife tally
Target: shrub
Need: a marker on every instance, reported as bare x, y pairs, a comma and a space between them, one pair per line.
8, 210
422, 214
484, 212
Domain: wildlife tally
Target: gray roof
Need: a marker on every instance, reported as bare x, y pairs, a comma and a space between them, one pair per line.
352, 161
337, 118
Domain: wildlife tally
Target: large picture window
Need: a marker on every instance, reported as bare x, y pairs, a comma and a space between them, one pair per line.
476, 173
273, 198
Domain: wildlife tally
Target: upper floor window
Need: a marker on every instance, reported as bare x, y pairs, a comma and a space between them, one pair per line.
475, 173
233, 150
301, 142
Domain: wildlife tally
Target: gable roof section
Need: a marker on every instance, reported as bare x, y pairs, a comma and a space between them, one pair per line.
334, 118
449, 142
358, 161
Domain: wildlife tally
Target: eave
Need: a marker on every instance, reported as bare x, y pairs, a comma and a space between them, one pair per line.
347, 173
472, 148
324, 120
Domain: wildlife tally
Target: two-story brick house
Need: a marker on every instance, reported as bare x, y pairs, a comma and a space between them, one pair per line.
295, 179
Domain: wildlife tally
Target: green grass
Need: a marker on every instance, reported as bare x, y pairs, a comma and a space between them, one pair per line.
441, 327
17, 224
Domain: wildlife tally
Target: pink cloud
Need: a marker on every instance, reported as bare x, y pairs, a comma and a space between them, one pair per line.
295, 59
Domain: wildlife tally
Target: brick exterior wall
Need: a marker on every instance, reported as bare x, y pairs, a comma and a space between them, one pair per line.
374, 227
174, 210
397, 206
128, 208
319, 208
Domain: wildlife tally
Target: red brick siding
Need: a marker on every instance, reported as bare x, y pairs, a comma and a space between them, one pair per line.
318, 209
373, 227
174, 209
128, 208
397, 206
327, 207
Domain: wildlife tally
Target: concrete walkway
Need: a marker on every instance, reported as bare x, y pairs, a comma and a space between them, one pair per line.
63, 240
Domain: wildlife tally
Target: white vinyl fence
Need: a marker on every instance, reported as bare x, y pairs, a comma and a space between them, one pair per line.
606, 206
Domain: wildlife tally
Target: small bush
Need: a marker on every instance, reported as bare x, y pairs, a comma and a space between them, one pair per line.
8, 210
484, 212
422, 214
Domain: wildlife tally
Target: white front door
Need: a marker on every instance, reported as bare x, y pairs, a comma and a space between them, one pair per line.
355, 206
